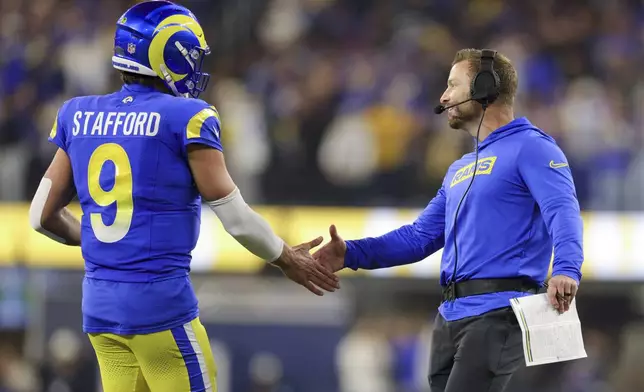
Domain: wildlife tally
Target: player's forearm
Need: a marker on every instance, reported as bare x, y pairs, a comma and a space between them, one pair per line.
255, 234
72, 227
47, 214
399, 247
63, 227
248, 227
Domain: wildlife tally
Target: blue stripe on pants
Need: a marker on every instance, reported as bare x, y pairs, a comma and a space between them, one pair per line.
190, 358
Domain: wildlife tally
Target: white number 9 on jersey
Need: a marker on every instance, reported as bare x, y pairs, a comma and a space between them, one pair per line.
121, 192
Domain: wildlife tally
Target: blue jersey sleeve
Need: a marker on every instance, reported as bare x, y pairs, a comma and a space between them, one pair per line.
204, 127
405, 245
58, 134
545, 171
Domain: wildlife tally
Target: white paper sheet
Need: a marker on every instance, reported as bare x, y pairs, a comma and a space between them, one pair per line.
547, 335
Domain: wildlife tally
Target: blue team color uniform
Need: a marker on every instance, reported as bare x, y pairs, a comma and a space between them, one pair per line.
141, 208
522, 203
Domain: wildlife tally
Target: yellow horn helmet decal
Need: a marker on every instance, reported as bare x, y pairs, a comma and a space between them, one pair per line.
166, 29
189, 23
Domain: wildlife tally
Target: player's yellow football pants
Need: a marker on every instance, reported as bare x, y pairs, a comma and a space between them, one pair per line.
176, 360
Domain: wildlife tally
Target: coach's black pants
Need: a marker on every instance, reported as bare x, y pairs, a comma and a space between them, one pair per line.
475, 354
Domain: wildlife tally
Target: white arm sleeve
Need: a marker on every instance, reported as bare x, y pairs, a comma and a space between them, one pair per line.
247, 227
37, 207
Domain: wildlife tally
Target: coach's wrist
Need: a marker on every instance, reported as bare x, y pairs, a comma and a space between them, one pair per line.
573, 274
351, 256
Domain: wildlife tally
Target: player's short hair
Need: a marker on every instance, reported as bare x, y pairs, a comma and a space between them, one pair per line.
144, 80
132, 78
508, 78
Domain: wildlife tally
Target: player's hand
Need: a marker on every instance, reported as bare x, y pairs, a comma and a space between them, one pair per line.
561, 291
298, 265
332, 254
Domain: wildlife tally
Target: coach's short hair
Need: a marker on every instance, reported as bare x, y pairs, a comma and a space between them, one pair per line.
508, 78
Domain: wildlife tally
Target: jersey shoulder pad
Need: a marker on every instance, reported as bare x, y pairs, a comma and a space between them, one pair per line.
200, 122
58, 132
190, 107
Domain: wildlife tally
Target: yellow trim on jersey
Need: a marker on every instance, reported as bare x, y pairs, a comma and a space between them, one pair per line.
54, 128
193, 130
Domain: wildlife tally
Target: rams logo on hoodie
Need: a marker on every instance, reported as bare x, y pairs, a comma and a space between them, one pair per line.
484, 166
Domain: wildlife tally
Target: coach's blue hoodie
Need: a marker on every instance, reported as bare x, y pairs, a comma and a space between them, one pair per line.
521, 204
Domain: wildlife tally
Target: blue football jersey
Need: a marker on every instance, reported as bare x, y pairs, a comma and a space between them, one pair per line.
141, 208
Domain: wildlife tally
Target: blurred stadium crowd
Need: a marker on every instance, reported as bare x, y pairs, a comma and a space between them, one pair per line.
329, 102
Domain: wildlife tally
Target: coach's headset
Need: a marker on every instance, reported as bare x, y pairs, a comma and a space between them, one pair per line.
486, 85
485, 89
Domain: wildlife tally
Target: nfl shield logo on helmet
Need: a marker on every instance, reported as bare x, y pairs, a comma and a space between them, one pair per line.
131, 48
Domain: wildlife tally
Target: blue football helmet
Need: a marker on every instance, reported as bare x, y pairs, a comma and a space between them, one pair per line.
162, 39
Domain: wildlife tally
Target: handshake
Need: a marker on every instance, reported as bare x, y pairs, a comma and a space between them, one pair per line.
316, 271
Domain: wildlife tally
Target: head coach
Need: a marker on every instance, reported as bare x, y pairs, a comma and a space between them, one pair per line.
499, 213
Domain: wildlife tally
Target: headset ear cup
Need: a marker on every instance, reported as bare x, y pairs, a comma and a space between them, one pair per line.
482, 85
485, 87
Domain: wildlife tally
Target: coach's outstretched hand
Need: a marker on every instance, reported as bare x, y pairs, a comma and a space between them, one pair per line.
332, 254
299, 266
